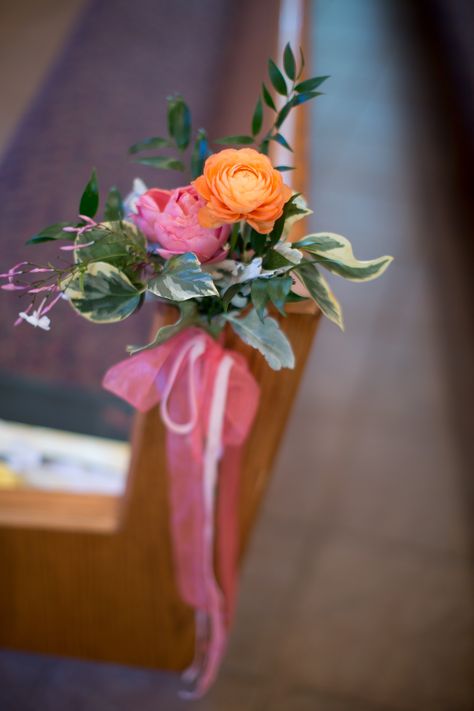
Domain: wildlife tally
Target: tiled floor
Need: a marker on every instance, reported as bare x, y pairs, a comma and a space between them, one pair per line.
357, 592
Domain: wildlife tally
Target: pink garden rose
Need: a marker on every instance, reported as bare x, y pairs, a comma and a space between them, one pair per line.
170, 218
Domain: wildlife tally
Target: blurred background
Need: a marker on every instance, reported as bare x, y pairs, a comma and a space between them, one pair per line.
356, 593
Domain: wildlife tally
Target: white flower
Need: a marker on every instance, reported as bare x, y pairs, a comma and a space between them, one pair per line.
230, 272
36, 320
247, 272
130, 202
229, 266
237, 272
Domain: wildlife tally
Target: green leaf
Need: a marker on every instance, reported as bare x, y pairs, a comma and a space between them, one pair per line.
235, 140
90, 197
295, 101
293, 298
200, 153
277, 231
257, 118
266, 337
179, 121
310, 84
53, 232
118, 243
275, 289
264, 146
234, 236
334, 252
257, 242
290, 209
304, 97
267, 97
296, 206
283, 113
284, 168
319, 242
282, 141
188, 316
275, 260
182, 278
113, 205
278, 289
277, 78
161, 162
259, 295
286, 250
229, 294
289, 62
149, 144
103, 293
296, 211
321, 292
302, 63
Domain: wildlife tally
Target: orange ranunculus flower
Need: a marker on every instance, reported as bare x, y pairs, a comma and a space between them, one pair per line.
241, 185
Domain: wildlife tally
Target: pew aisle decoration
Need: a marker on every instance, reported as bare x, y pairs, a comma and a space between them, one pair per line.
219, 249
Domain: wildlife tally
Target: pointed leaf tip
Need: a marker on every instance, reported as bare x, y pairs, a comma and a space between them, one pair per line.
277, 78
257, 118
89, 203
289, 62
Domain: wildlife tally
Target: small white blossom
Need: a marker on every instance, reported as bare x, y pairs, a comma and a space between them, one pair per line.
243, 272
36, 320
228, 266
247, 272
230, 272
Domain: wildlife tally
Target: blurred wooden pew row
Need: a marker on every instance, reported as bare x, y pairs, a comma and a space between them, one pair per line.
92, 576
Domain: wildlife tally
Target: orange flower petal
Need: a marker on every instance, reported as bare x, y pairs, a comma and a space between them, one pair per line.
207, 218
201, 186
241, 184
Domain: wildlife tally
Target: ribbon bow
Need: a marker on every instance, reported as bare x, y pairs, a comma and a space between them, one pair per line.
208, 399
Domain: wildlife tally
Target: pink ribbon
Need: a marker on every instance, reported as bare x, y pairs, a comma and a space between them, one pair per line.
208, 399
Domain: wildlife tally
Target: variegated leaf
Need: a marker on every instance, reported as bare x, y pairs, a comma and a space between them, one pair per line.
334, 252
301, 205
102, 293
320, 291
182, 278
187, 316
266, 336
113, 241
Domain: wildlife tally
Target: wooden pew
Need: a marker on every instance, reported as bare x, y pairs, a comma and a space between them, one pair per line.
91, 576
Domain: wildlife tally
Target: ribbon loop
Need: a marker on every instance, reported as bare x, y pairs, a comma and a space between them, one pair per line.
214, 389
194, 348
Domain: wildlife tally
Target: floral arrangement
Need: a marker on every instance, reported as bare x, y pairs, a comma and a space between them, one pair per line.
213, 248
219, 249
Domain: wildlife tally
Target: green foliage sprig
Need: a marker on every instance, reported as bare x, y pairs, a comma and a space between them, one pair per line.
286, 83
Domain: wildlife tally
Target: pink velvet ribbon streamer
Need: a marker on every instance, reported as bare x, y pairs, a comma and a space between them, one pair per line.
208, 399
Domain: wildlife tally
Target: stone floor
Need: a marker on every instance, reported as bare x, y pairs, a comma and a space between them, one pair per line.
357, 592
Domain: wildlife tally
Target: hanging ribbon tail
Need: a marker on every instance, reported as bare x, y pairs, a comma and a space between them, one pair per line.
208, 402
228, 527
212, 632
